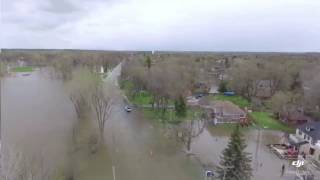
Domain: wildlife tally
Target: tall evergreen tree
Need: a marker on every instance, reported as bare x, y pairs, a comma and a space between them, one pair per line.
235, 163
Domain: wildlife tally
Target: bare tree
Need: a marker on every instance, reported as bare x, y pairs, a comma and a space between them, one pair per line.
188, 130
80, 104
80, 87
102, 106
246, 76
285, 102
311, 85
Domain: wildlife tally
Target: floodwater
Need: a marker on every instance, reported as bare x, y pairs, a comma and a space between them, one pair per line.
38, 117
265, 164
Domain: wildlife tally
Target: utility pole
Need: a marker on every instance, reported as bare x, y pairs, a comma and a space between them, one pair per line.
256, 155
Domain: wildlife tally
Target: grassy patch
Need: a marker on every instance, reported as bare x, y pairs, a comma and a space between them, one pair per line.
265, 120
169, 116
237, 100
23, 69
141, 98
138, 97
126, 85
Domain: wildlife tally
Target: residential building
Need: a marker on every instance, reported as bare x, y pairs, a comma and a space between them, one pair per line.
213, 90
294, 117
307, 140
227, 112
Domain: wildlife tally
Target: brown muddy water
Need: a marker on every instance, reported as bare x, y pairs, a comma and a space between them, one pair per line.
38, 118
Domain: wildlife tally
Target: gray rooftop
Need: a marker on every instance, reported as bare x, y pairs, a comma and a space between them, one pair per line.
312, 129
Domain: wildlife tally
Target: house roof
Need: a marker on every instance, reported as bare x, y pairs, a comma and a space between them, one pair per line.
264, 88
265, 83
227, 107
312, 129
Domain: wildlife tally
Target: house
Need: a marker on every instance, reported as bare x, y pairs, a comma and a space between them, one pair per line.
307, 140
227, 112
101, 69
201, 87
294, 118
214, 90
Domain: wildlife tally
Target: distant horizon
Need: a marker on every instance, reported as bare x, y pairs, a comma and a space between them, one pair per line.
139, 50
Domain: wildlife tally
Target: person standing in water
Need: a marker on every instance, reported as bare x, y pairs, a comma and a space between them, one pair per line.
283, 168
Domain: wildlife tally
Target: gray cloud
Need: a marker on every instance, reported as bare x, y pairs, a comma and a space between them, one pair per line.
235, 25
61, 6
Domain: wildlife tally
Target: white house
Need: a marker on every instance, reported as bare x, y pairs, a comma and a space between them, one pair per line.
307, 140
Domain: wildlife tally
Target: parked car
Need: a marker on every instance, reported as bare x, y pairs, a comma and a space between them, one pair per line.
229, 93
199, 95
128, 108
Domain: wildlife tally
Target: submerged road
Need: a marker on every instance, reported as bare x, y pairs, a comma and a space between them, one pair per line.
138, 148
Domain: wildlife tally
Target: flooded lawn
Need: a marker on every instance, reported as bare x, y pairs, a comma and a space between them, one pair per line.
266, 165
38, 117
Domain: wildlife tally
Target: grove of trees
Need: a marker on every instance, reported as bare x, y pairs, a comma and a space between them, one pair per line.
165, 80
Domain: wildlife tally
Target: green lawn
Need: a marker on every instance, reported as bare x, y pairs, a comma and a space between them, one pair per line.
138, 98
265, 120
135, 98
23, 69
142, 98
238, 100
169, 116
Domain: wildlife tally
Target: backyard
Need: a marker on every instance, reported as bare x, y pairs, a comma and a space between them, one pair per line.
260, 118
266, 121
144, 98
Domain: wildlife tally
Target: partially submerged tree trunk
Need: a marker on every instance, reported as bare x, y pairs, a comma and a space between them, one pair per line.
189, 130
80, 104
102, 106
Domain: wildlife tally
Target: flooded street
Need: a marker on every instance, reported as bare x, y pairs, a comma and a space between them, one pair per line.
138, 150
38, 117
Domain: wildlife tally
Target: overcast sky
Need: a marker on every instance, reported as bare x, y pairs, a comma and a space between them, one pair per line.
198, 25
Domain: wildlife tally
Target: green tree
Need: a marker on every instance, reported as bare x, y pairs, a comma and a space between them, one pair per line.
223, 87
235, 163
180, 107
148, 62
